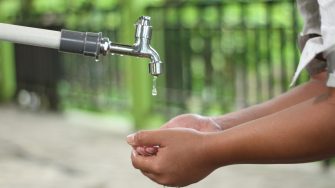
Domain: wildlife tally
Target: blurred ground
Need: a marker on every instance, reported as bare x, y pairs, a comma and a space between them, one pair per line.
42, 150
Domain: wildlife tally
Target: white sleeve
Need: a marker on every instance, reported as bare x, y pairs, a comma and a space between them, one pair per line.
327, 13
324, 44
309, 10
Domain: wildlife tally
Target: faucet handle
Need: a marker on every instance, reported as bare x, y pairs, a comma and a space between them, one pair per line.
144, 20
143, 27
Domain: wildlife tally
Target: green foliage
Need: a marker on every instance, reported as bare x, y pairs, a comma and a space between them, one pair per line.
9, 9
231, 15
7, 71
105, 4
49, 6
189, 17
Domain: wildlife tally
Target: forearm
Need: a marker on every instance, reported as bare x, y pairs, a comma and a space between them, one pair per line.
312, 88
304, 132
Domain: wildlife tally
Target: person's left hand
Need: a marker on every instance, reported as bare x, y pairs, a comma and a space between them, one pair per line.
191, 121
182, 157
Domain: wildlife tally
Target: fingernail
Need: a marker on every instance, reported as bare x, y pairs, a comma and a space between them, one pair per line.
151, 150
130, 139
140, 150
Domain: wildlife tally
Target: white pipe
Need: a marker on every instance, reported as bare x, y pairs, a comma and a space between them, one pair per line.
30, 36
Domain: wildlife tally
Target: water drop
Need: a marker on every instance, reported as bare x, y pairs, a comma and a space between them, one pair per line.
112, 54
154, 89
96, 60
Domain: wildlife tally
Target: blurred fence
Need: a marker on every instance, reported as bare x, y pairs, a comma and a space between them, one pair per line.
219, 56
222, 55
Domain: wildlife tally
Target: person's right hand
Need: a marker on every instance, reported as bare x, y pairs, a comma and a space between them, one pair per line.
184, 156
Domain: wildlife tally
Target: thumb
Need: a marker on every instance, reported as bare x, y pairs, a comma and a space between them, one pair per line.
145, 138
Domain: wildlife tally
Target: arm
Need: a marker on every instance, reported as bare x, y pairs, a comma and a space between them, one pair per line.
304, 132
314, 87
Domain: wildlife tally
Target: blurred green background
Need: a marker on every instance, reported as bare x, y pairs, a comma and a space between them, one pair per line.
219, 56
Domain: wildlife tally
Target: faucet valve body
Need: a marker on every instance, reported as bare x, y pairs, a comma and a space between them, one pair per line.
93, 44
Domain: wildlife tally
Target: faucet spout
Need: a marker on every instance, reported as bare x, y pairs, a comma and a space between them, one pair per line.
141, 47
156, 65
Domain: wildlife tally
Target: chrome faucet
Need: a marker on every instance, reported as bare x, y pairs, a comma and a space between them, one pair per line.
141, 47
87, 43
93, 44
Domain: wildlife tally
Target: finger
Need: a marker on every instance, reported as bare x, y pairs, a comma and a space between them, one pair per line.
151, 150
146, 151
144, 163
140, 150
146, 138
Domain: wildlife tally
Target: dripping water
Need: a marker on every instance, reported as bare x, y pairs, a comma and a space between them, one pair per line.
154, 88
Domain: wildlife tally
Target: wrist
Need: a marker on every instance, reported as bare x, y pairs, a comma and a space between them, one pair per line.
214, 123
226, 121
219, 148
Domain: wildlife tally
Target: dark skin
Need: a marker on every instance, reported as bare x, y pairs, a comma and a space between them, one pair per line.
298, 126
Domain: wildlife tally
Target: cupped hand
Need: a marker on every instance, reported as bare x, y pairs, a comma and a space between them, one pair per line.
191, 121
181, 157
